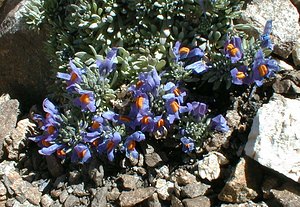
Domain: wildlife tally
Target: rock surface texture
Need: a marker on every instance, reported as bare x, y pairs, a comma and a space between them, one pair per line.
284, 14
24, 66
274, 137
8, 118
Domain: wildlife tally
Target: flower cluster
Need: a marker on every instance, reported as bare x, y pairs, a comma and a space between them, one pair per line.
260, 68
154, 110
114, 103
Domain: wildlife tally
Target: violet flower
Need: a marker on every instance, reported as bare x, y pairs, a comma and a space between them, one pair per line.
219, 123
173, 91
174, 109
108, 145
263, 68
197, 109
148, 82
233, 49
181, 53
81, 154
86, 101
197, 67
265, 38
107, 65
130, 144
241, 76
188, 145
74, 77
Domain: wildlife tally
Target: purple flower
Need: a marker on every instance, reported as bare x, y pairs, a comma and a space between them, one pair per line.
160, 124
241, 76
141, 104
146, 122
265, 39
148, 82
188, 145
219, 123
50, 149
98, 124
198, 67
181, 53
263, 68
107, 65
73, 78
130, 144
120, 119
86, 101
108, 145
91, 137
52, 114
173, 91
81, 154
197, 109
233, 49
173, 109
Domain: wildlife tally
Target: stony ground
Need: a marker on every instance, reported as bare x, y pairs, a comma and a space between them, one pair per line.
219, 174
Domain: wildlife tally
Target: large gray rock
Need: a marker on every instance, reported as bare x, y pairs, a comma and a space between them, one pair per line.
284, 14
8, 118
24, 67
274, 137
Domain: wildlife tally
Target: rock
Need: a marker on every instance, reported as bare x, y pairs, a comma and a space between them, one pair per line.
54, 166
202, 201
46, 201
183, 177
100, 197
1, 2
193, 190
3, 192
72, 201
16, 142
164, 189
153, 159
59, 182
243, 184
286, 198
55, 193
285, 18
153, 201
284, 66
247, 204
26, 203
79, 190
209, 166
277, 194
175, 202
131, 198
74, 177
8, 118
163, 172
84, 201
23, 189
63, 196
7, 167
274, 137
296, 53
113, 195
129, 182
285, 86
26, 68
96, 172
